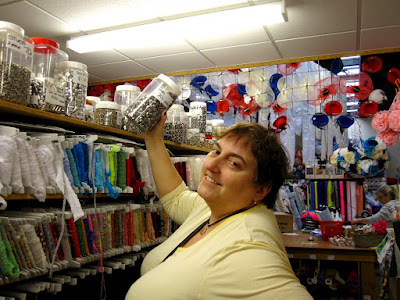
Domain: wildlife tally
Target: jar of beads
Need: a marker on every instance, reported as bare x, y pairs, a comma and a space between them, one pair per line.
108, 113
15, 64
72, 78
44, 94
124, 95
159, 95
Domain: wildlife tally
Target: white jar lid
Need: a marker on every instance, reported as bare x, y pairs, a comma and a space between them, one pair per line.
71, 64
93, 99
108, 105
13, 27
198, 103
178, 107
127, 87
175, 88
193, 131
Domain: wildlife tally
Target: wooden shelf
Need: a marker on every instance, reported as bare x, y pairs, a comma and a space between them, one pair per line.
13, 197
14, 112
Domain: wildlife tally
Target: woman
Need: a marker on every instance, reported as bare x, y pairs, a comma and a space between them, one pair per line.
229, 244
388, 196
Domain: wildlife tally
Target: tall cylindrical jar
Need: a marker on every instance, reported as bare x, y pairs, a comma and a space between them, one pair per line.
159, 95
124, 96
15, 64
201, 109
72, 78
44, 93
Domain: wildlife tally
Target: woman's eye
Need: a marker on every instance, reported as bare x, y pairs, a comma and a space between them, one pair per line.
215, 151
235, 164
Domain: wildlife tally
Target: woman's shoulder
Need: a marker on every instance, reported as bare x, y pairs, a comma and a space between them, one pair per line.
262, 226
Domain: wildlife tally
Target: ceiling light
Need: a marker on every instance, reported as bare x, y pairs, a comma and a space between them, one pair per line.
177, 30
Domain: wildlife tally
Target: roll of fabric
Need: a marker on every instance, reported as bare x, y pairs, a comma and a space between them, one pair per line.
342, 196
348, 200
353, 198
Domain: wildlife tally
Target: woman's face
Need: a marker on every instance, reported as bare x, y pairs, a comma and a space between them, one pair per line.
227, 177
382, 198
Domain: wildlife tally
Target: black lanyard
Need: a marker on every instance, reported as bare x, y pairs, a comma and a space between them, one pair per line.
198, 229
187, 238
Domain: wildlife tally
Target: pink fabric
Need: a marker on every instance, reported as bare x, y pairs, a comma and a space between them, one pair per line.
342, 204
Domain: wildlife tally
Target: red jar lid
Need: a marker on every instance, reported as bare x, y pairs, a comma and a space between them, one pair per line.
43, 45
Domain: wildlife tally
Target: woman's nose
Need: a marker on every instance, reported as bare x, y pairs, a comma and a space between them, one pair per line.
213, 164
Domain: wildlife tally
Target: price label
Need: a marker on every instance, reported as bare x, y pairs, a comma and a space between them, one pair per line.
54, 95
19, 45
331, 257
312, 256
163, 96
80, 77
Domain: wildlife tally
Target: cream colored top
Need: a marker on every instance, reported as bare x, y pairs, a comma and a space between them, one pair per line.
242, 258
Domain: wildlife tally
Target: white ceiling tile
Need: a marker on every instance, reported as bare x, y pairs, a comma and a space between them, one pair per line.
93, 78
380, 13
159, 50
118, 70
318, 45
308, 18
224, 37
388, 37
242, 54
34, 21
91, 15
177, 62
96, 58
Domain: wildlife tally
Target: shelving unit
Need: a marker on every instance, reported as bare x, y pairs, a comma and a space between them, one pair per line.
12, 112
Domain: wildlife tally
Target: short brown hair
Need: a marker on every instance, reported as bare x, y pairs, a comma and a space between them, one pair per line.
270, 155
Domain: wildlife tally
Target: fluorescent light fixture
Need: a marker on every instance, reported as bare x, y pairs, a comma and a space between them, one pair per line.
177, 30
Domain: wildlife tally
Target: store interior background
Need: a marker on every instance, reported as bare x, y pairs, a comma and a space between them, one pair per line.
316, 30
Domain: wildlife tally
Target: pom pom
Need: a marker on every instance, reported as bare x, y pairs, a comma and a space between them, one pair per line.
394, 120
380, 121
389, 137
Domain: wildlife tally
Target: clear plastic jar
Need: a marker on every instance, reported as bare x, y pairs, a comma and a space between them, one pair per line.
44, 94
72, 78
159, 95
193, 137
108, 113
90, 105
200, 108
89, 113
218, 127
125, 95
15, 64
209, 130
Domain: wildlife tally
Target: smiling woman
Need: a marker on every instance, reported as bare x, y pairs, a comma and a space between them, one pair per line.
228, 245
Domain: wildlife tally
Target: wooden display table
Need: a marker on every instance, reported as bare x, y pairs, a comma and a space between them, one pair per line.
299, 247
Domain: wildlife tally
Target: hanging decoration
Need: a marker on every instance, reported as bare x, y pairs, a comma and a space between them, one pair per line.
372, 64
324, 89
359, 85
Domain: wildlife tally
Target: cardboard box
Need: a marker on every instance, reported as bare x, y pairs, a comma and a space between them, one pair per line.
285, 221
